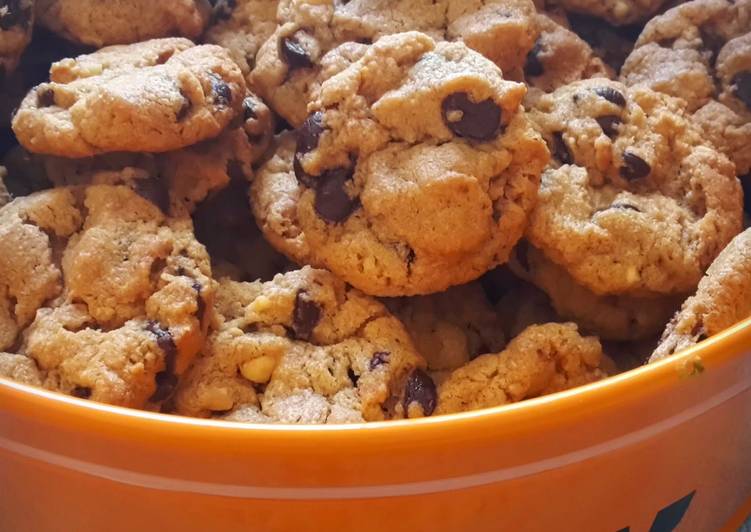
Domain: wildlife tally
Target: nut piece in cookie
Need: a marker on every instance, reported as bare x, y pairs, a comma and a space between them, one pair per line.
415, 171
153, 96
103, 292
543, 359
305, 348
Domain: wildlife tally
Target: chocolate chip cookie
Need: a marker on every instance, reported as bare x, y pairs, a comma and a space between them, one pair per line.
305, 348
414, 172
153, 96
701, 51
105, 294
16, 23
98, 23
722, 299
634, 202
543, 359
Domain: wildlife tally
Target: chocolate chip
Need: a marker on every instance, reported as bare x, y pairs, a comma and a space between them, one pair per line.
465, 118
199, 301
378, 359
612, 95
305, 316
249, 109
13, 13
742, 87
533, 66
354, 377
45, 97
221, 91
332, 203
634, 167
294, 54
166, 383
309, 133
167, 344
609, 124
560, 150
222, 9
420, 389
154, 190
82, 392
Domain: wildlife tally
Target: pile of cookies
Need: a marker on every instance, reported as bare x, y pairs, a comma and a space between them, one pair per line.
331, 211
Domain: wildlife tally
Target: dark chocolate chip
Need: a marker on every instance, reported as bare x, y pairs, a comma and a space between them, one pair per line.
634, 167
560, 150
305, 316
332, 203
201, 311
301, 175
612, 95
465, 118
378, 359
309, 133
82, 392
354, 377
154, 190
45, 97
420, 389
13, 13
166, 343
609, 124
294, 54
533, 66
249, 109
221, 91
222, 9
742, 87
166, 383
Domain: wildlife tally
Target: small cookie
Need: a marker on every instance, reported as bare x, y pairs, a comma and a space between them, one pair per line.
618, 12
16, 23
701, 51
305, 348
452, 327
414, 172
722, 300
98, 23
613, 317
110, 295
543, 359
242, 26
158, 102
633, 201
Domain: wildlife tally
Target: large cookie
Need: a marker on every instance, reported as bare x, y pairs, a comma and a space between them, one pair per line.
415, 170
153, 96
101, 23
722, 300
305, 348
633, 201
16, 23
102, 291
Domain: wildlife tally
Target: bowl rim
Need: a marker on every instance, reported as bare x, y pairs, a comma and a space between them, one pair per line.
734, 341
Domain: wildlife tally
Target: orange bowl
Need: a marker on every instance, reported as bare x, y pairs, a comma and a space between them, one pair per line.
644, 450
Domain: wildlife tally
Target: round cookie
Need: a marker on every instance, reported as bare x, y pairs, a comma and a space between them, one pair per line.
153, 96
613, 317
98, 23
543, 359
722, 300
242, 26
16, 24
102, 291
618, 12
305, 348
633, 201
289, 63
415, 171
701, 51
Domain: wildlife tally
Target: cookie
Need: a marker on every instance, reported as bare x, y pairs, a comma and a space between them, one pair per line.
617, 12
242, 26
151, 102
100, 24
19, 368
305, 348
102, 291
612, 317
701, 51
452, 327
543, 359
633, 202
722, 300
16, 23
289, 63
414, 172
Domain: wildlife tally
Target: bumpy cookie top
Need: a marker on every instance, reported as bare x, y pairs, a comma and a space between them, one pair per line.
20, 369
633, 202
415, 170
543, 359
109, 293
152, 96
615, 11
100, 23
305, 348
722, 299
16, 24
